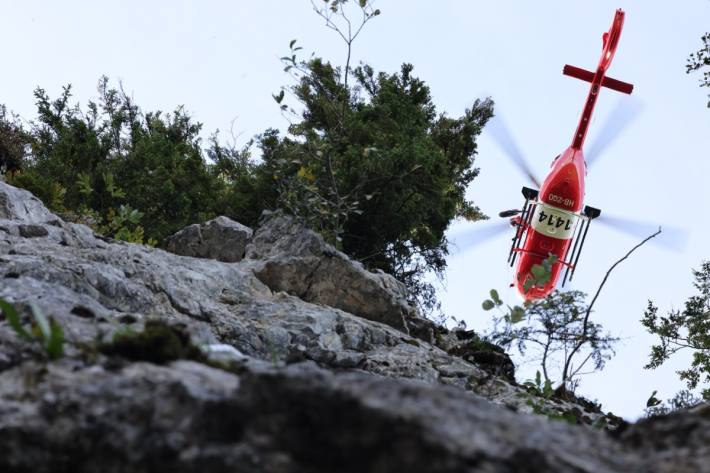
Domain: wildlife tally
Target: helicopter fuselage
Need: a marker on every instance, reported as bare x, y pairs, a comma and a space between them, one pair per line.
551, 226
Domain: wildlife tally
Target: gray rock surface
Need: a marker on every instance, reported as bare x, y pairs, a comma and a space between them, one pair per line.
296, 260
305, 386
222, 239
190, 417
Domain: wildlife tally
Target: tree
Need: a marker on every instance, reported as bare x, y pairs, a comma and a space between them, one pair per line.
559, 323
554, 326
687, 329
372, 165
13, 142
383, 179
700, 60
116, 163
247, 189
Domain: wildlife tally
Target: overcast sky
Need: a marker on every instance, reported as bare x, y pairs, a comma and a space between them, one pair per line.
221, 60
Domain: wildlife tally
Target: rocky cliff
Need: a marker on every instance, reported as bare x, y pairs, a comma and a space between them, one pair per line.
278, 356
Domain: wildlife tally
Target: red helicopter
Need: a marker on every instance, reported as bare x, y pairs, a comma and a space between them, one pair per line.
553, 221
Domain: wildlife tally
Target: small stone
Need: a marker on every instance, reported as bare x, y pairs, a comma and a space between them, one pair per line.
32, 231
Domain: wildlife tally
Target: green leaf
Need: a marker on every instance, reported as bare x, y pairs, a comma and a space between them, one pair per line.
547, 389
488, 304
538, 271
13, 318
111, 187
54, 345
83, 181
517, 314
290, 45
653, 400
529, 283
279, 97
363, 3
494, 296
376, 12
135, 217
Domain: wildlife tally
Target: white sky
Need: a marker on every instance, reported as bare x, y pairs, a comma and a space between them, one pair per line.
220, 59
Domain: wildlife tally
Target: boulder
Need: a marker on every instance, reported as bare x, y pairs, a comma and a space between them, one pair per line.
21, 206
221, 239
296, 260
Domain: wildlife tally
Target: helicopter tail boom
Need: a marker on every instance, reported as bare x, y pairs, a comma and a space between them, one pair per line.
598, 78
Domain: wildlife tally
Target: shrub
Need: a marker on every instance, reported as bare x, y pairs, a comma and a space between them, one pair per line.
687, 329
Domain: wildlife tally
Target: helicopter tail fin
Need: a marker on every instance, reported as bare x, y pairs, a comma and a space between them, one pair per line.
588, 76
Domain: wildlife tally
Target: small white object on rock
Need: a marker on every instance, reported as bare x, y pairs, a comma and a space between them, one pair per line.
223, 352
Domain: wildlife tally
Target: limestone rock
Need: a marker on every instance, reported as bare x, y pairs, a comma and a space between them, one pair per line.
95, 287
188, 417
22, 207
222, 239
492, 358
678, 442
301, 386
296, 260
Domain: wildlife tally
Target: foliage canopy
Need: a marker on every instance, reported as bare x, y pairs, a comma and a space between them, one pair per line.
112, 159
687, 329
375, 169
701, 60
561, 336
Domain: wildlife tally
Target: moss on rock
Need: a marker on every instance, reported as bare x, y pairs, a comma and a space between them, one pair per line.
158, 343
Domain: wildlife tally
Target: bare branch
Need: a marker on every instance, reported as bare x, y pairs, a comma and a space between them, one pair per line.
575, 371
585, 338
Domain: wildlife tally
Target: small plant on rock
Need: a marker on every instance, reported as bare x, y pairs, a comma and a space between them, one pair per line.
158, 343
44, 330
683, 399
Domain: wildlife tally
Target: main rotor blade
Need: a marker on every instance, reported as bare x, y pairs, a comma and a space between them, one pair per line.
500, 133
467, 239
627, 109
672, 238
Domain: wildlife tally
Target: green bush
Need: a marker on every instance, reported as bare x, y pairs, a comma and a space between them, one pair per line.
687, 329
113, 156
13, 142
